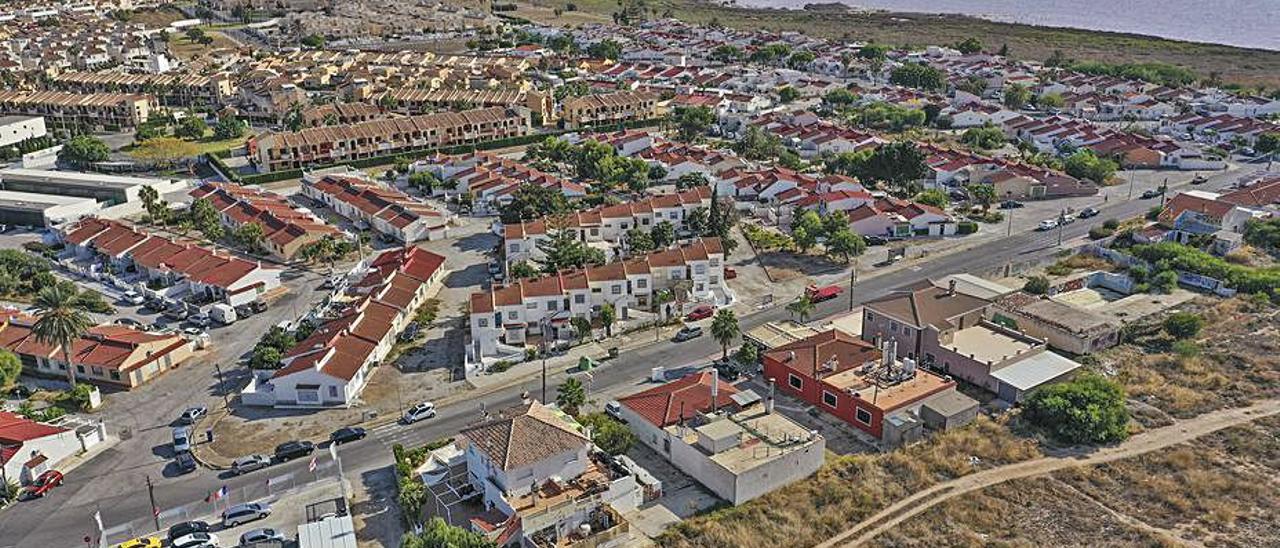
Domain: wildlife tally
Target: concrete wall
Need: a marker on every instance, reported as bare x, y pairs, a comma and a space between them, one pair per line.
795, 465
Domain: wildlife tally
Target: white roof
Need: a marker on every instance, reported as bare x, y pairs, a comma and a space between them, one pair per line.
1035, 370
334, 532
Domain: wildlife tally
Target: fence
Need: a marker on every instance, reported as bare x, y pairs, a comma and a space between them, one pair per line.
268, 490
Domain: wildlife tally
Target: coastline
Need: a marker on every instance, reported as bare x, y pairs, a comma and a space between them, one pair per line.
1243, 66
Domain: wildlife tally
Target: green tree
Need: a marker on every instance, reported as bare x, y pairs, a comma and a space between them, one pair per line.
919, 76
1036, 285
806, 229
1183, 325
206, 219
522, 269
83, 150
984, 138
757, 144
840, 98
639, 241
788, 94
663, 235
10, 369
532, 201
562, 249
608, 315
725, 328
1016, 96
1089, 409
1084, 164
437, 533
1051, 100
191, 128
693, 122
424, 180
969, 46
313, 41
800, 60
1264, 234
228, 127
61, 320
609, 435
802, 307
1267, 143
697, 220
747, 354
846, 243
933, 197
571, 396
250, 235
900, 164
984, 194
410, 496
693, 179
581, 327
605, 49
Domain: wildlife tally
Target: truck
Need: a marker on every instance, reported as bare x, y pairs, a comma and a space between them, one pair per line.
818, 294
223, 314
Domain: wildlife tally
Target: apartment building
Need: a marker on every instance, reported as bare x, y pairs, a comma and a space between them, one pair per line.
620, 106
492, 180
170, 90
328, 145
508, 315
92, 111
16, 129
605, 225
423, 101
108, 354
285, 228
332, 366
388, 211
185, 271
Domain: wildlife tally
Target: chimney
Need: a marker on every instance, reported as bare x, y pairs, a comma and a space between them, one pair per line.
951, 288
768, 402
715, 388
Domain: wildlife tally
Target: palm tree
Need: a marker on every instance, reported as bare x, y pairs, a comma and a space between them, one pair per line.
61, 321
802, 307
571, 396
724, 327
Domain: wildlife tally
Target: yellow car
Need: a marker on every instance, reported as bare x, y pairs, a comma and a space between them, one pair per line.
144, 542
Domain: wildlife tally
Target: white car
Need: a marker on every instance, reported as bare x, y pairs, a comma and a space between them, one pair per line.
1048, 224
132, 297
245, 513
196, 540
181, 439
424, 410
265, 534
244, 465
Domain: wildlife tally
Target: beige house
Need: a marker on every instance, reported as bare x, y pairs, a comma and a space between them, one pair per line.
621, 106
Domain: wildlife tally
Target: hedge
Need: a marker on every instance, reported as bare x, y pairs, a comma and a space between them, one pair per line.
411, 155
967, 227
1245, 279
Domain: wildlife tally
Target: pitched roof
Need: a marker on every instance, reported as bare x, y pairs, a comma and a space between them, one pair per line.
825, 353
923, 303
529, 434
679, 400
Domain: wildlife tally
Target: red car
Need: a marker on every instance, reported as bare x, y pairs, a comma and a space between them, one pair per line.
730, 273
701, 311
45, 483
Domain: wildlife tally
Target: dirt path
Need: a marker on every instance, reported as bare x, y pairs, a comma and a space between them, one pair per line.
1146, 442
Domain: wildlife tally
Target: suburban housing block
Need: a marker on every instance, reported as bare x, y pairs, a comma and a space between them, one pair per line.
384, 209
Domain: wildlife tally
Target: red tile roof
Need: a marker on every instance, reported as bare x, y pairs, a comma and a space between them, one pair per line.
679, 400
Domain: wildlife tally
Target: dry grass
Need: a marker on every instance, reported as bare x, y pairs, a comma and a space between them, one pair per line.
851, 488
1239, 361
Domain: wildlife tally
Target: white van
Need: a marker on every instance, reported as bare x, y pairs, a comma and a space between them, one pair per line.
223, 314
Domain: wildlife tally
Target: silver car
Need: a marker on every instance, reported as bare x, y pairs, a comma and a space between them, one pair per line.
181, 439
264, 534
245, 513
244, 465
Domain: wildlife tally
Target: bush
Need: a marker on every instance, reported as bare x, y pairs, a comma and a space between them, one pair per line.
1100, 232
1186, 349
1089, 409
1183, 325
1111, 224
609, 435
1036, 285
966, 227
1178, 257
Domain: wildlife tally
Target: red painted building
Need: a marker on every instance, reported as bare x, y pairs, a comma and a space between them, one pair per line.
849, 378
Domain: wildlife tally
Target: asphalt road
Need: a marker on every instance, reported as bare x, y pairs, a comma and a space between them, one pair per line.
58, 521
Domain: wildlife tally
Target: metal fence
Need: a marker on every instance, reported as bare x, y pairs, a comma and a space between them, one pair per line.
269, 489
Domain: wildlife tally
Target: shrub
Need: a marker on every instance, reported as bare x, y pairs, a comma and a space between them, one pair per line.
1186, 349
966, 227
1100, 232
609, 435
500, 366
1036, 285
1089, 409
1183, 325
1111, 224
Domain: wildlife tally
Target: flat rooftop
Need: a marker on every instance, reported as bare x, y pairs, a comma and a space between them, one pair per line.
887, 395
984, 343
775, 334
76, 178
762, 438
13, 119
29, 201
849, 322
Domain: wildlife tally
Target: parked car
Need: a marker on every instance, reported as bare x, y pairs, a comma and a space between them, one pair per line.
613, 409
193, 414
265, 534
179, 530
43, 484
1199, 179
1010, 204
687, 333
181, 439
177, 312
1047, 224
875, 240
1067, 219
1088, 212
21, 391
245, 513
196, 540
244, 465
290, 450
185, 463
701, 312
1151, 193
730, 273
347, 434
199, 320
424, 410
130, 322
132, 297
142, 542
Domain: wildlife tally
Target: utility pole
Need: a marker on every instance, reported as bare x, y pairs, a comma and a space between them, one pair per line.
545, 325
1009, 232
1164, 191
853, 279
155, 509
1062, 224
1131, 185
222, 385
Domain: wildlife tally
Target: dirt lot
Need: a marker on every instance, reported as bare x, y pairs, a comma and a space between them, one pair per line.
1221, 491
1235, 360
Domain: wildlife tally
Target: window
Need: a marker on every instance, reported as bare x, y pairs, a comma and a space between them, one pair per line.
871, 317
80, 369
551, 306
97, 371
530, 306
863, 416
893, 327
579, 298
715, 262
595, 290
333, 391
699, 269
617, 290
642, 283
829, 399
795, 381
514, 247
511, 315
714, 280
484, 322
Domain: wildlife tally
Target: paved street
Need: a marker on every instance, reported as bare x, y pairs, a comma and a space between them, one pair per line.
115, 481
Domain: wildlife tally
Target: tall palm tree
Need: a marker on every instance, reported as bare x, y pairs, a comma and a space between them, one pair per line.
571, 396
724, 327
802, 307
62, 319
